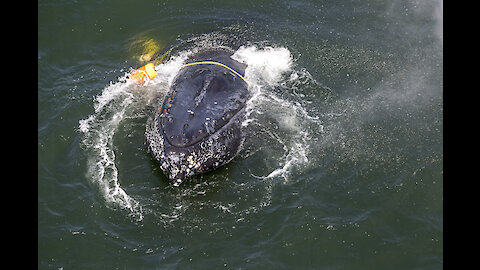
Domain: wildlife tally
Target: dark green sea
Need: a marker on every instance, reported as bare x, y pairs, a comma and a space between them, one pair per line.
342, 167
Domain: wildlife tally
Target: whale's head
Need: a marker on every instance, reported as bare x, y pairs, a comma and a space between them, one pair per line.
197, 128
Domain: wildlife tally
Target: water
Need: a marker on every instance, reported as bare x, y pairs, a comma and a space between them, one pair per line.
343, 163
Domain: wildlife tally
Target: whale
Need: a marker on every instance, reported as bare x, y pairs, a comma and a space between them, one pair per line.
197, 127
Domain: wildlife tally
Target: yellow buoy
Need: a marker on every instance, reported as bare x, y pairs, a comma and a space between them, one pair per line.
149, 47
143, 74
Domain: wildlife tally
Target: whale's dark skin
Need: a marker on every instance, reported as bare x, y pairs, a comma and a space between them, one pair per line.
198, 127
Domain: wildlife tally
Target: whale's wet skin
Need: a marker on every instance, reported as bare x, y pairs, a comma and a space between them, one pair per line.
198, 126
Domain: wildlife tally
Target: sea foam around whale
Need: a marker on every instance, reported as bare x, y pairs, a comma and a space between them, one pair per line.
277, 120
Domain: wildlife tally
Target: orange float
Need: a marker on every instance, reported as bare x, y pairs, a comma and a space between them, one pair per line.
143, 74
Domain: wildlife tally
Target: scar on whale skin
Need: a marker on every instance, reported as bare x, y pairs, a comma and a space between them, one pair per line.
198, 126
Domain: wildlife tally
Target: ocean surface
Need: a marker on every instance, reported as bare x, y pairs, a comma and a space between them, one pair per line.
342, 167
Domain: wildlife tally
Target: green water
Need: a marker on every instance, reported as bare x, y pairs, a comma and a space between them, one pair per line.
342, 167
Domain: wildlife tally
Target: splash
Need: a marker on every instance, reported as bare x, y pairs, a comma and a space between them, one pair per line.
99, 128
277, 109
118, 102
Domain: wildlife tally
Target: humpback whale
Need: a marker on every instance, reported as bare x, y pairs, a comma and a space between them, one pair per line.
198, 126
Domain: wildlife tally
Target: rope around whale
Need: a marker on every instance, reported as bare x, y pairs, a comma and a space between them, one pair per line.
218, 64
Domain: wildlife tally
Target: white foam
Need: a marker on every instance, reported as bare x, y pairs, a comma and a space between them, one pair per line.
268, 67
111, 107
167, 71
98, 129
264, 65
